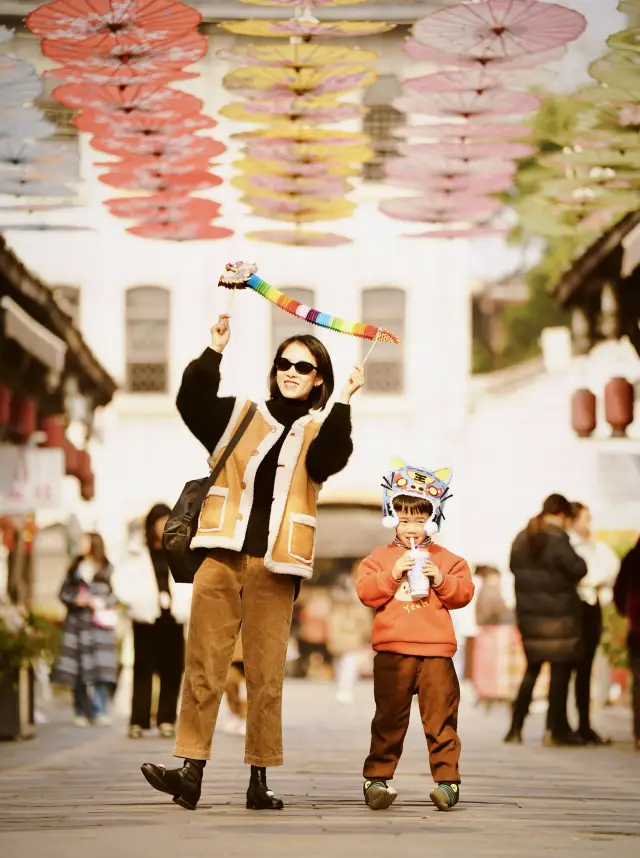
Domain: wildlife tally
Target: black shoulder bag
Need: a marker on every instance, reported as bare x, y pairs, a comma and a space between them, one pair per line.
182, 523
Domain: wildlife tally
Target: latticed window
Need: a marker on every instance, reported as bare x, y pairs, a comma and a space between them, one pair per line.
384, 308
68, 299
57, 113
380, 123
147, 339
284, 325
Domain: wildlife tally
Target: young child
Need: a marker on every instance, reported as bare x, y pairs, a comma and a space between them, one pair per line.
414, 637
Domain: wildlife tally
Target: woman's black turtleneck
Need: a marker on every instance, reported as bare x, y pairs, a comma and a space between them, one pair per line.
207, 416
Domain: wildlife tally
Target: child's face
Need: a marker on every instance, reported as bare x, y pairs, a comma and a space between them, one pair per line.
411, 524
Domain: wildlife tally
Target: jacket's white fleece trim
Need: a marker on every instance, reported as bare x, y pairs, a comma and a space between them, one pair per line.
306, 521
219, 492
290, 569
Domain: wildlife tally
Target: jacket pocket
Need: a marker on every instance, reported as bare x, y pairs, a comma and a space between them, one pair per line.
213, 510
302, 537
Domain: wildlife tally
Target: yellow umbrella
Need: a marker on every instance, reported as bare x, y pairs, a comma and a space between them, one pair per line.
293, 204
295, 133
298, 56
309, 152
306, 28
311, 216
270, 185
278, 167
320, 81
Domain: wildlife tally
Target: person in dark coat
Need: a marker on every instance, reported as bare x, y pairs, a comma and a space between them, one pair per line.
626, 595
547, 572
88, 659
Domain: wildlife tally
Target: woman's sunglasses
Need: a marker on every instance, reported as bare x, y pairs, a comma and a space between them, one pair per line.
302, 367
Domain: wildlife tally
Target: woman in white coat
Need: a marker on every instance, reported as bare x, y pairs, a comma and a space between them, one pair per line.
158, 610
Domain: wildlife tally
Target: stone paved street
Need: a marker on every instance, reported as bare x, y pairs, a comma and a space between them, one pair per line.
73, 793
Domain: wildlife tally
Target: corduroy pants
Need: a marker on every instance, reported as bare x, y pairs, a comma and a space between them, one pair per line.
232, 590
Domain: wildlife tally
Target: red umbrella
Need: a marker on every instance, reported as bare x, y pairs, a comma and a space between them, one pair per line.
187, 231
466, 131
500, 28
185, 146
164, 208
468, 151
146, 178
159, 101
469, 105
85, 73
98, 25
173, 53
427, 54
145, 125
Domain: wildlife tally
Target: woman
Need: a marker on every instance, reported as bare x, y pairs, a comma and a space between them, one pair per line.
258, 527
158, 609
88, 660
547, 572
595, 590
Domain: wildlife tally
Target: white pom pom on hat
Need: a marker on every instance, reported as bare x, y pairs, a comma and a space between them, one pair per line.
431, 528
390, 521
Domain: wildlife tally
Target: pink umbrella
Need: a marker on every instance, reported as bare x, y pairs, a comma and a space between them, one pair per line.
472, 185
333, 186
457, 202
500, 28
284, 151
439, 216
405, 168
187, 231
460, 232
468, 151
478, 80
425, 53
298, 238
469, 105
298, 107
464, 131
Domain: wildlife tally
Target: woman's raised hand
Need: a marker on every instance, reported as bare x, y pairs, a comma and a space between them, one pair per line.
353, 384
220, 333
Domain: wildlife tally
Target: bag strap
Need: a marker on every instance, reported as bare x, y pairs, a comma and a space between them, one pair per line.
228, 450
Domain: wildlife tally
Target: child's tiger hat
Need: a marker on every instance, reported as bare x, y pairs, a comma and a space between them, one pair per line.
416, 482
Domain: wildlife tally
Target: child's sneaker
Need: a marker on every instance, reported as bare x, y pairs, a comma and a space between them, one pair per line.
445, 796
378, 795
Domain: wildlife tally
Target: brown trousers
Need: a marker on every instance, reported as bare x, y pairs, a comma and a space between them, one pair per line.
396, 679
230, 591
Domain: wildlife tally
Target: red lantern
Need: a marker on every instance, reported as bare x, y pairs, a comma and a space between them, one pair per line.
24, 416
619, 405
5, 405
583, 413
53, 428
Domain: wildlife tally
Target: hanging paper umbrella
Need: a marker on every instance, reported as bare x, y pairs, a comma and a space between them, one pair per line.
303, 4
421, 209
22, 154
292, 132
464, 131
158, 101
625, 40
43, 227
30, 208
474, 185
144, 125
293, 169
467, 151
306, 28
187, 231
146, 178
333, 186
298, 238
426, 53
309, 152
292, 110
5, 34
20, 92
477, 80
84, 74
460, 232
618, 69
23, 187
309, 216
162, 208
606, 95
297, 56
12, 69
99, 25
469, 105
592, 158
292, 204
173, 53
407, 168
184, 146
500, 28
25, 123
306, 81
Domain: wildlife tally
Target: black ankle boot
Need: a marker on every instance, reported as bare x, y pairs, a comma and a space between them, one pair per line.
259, 796
184, 784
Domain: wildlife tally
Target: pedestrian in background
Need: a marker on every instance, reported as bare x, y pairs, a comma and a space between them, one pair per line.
626, 595
349, 631
158, 610
88, 659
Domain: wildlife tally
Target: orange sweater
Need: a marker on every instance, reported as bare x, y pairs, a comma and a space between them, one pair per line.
405, 626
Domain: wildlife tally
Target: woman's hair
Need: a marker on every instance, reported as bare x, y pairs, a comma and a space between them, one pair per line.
576, 509
97, 551
408, 504
554, 505
320, 395
159, 510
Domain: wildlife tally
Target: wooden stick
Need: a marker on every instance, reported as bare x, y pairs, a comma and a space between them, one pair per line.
373, 344
232, 292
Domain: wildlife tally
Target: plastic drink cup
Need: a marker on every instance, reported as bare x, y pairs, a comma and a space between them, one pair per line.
418, 581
